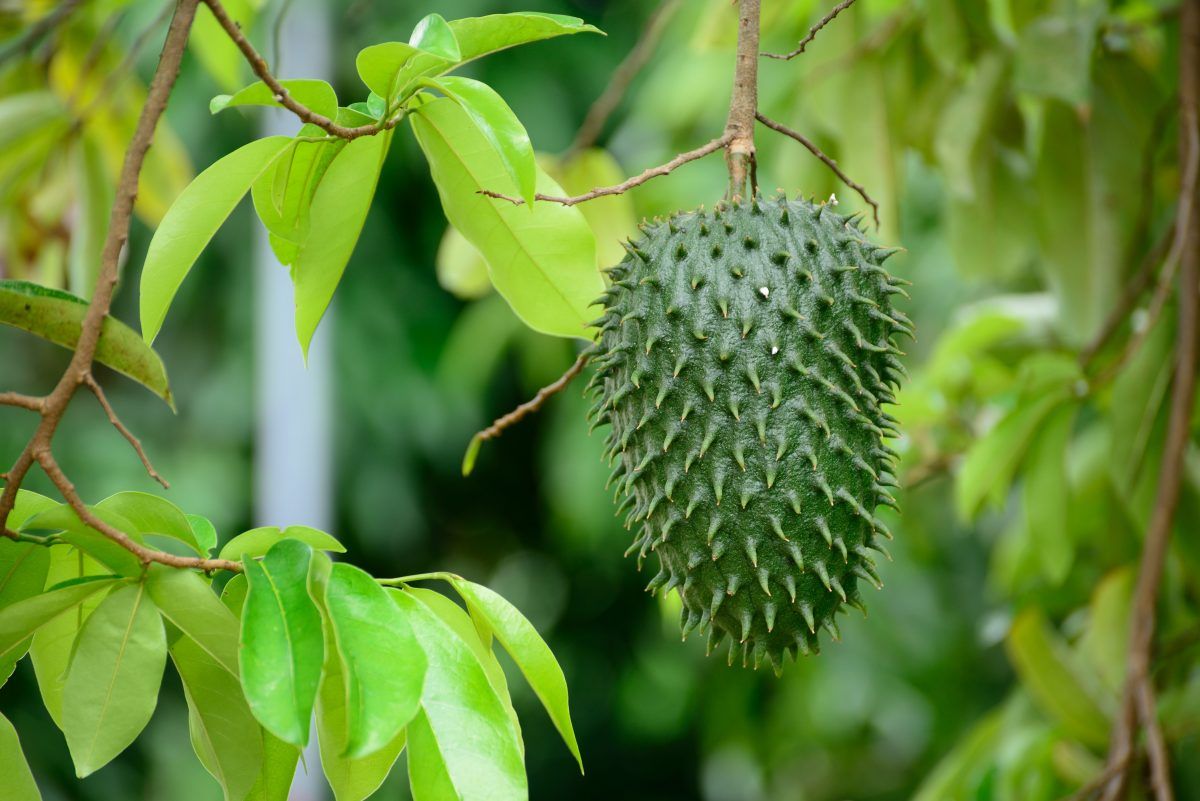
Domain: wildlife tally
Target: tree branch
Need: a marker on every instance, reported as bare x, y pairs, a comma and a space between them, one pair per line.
259, 65
637, 180
826, 160
518, 414
606, 104
740, 155
813, 31
94, 386
21, 401
1138, 699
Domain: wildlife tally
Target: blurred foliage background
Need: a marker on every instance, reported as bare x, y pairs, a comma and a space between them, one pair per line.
1022, 151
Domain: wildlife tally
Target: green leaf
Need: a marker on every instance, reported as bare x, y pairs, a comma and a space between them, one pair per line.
19, 621
104, 550
213, 47
52, 645
18, 779
95, 202
203, 532
339, 210
150, 514
433, 35
112, 683
279, 768
459, 698
461, 269
528, 650
317, 95
1105, 641
612, 219
550, 281
499, 125
351, 779
481, 36
188, 601
283, 194
225, 734
58, 317
1046, 494
1054, 56
378, 66
281, 641
1056, 679
257, 541
383, 667
192, 221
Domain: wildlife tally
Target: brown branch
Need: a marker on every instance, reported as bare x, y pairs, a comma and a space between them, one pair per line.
740, 154
527, 408
623, 76
111, 413
637, 180
826, 160
812, 32
259, 65
54, 405
21, 401
1138, 699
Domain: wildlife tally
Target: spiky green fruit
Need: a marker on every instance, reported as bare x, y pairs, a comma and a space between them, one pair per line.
743, 359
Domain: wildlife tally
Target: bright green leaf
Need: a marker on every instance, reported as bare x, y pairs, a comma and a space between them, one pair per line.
22, 619
428, 774
378, 65
550, 281
613, 219
433, 35
18, 780
257, 541
279, 768
481, 36
150, 514
528, 650
104, 550
317, 95
281, 640
339, 210
187, 600
204, 532
192, 221
112, 684
58, 317
461, 269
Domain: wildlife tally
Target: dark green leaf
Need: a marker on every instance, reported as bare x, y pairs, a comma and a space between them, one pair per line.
281, 641
58, 317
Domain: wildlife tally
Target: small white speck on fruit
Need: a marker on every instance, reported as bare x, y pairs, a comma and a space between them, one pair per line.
766, 293
774, 349
833, 201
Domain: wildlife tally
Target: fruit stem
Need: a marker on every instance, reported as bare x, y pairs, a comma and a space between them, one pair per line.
743, 104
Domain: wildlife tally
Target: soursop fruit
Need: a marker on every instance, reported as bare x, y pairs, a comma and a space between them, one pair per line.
744, 357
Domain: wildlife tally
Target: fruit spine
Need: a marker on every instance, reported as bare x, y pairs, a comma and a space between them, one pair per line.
743, 359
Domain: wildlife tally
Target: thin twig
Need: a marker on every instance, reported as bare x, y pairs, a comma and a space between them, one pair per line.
259, 65
826, 160
623, 76
813, 31
637, 180
518, 414
21, 401
98, 391
1138, 698
39, 29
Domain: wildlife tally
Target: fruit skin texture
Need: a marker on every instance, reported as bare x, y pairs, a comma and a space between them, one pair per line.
743, 359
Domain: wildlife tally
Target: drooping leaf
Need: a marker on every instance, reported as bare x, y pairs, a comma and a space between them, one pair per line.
18, 779
188, 601
112, 555
283, 194
281, 641
19, 621
257, 541
383, 667
279, 768
339, 210
112, 683
192, 221
317, 95
461, 269
550, 281
95, 202
58, 317
481, 36
459, 698
150, 514
213, 47
378, 66
225, 735
528, 650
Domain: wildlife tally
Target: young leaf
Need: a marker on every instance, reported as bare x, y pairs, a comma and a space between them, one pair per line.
428, 774
433, 35
112, 683
203, 532
281, 641
382, 666
187, 600
351, 779
18, 779
481, 36
339, 210
283, 194
549, 281
257, 541
225, 734
58, 317
378, 65
192, 221
150, 514
528, 650
459, 698
317, 95
499, 125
